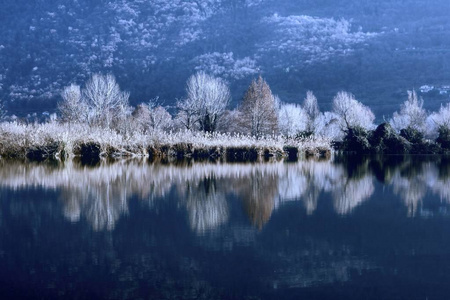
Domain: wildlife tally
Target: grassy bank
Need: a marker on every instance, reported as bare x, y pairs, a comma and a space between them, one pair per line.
62, 141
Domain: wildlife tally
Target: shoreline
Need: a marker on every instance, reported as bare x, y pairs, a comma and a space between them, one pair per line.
37, 142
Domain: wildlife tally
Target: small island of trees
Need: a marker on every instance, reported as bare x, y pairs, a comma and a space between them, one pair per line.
97, 120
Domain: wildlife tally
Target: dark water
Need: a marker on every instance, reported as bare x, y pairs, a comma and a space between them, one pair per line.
347, 228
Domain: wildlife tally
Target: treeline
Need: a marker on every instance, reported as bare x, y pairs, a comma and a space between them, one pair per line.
102, 105
97, 121
205, 108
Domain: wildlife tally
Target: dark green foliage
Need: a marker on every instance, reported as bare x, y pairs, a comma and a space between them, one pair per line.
444, 137
412, 135
418, 144
356, 140
385, 140
426, 147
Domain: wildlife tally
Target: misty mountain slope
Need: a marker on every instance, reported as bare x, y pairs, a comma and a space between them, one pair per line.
375, 49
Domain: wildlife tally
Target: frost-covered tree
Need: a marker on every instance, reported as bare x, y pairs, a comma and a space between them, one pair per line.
141, 118
352, 113
258, 110
312, 110
107, 104
160, 118
442, 117
72, 108
411, 114
292, 119
327, 125
100, 103
185, 117
438, 123
206, 100
151, 117
229, 121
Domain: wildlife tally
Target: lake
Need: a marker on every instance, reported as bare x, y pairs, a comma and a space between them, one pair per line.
345, 228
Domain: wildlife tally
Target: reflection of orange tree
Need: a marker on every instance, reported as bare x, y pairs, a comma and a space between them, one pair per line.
258, 193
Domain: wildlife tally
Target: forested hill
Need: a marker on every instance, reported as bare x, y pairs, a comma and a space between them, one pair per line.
375, 49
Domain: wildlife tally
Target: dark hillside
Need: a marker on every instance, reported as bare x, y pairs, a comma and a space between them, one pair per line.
375, 49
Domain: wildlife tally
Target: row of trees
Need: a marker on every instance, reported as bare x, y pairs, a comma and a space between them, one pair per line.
102, 103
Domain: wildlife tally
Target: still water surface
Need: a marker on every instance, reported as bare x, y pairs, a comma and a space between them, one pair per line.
346, 228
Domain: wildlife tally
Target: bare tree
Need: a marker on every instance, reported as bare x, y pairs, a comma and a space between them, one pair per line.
72, 108
229, 122
151, 117
207, 99
187, 116
141, 118
352, 113
160, 118
106, 102
312, 110
411, 114
258, 110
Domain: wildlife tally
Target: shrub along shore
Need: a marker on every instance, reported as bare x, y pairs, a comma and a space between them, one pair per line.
385, 140
65, 141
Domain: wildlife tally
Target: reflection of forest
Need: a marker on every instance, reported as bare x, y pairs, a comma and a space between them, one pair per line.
100, 194
414, 177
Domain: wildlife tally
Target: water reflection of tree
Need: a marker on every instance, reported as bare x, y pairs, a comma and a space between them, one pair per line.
348, 179
206, 206
352, 194
410, 189
100, 205
258, 193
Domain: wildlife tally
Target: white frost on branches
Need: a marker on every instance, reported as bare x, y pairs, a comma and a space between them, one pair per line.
312, 110
292, 119
100, 103
352, 113
411, 114
206, 100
